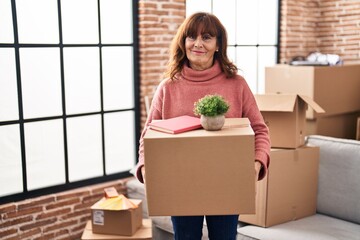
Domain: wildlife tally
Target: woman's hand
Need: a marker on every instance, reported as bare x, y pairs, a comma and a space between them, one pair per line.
143, 172
257, 169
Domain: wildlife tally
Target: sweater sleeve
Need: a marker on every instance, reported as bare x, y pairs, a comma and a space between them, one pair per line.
262, 139
155, 112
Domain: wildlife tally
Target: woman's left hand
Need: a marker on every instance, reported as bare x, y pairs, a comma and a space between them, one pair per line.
257, 169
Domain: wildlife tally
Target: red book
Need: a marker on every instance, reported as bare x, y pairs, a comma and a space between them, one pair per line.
176, 125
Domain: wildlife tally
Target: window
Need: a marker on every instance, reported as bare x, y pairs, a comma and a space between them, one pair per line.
68, 114
252, 28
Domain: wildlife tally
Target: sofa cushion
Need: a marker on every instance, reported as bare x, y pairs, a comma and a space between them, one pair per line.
339, 177
316, 227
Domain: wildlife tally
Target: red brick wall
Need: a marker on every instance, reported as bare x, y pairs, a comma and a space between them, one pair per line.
328, 26
56, 216
158, 22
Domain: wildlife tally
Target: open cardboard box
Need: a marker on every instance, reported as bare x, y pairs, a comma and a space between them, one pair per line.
289, 190
200, 172
285, 115
334, 88
112, 218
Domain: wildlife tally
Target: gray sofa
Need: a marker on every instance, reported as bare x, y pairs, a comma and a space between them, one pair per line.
338, 203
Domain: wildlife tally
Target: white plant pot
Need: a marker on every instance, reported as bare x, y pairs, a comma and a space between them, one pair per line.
212, 123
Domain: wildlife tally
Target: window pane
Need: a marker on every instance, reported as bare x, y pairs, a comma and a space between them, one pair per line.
10, 160
6, 24
82, 80
44, 143
84, 147
268, 22
247, 22
116, 21
119, 141
79, 23
8, 90
226, 12
36, 25
41, 82
246, 59
267, 58
193, 6
118, 79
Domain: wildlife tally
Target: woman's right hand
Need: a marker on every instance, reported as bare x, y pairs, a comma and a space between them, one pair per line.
143, 172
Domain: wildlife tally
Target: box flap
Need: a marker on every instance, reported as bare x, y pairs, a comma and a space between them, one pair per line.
312, 104
276, 102
236, 122
119, 203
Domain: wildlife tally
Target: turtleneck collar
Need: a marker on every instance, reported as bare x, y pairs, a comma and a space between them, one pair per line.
190, 74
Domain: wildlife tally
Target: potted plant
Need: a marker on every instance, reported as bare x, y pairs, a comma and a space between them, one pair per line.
211, 109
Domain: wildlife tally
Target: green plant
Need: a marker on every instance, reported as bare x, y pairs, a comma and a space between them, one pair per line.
211, 105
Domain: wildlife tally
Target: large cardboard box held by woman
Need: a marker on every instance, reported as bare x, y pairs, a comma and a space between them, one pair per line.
200, 172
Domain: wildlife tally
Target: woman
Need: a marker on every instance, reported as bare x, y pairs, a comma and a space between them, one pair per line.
199, 66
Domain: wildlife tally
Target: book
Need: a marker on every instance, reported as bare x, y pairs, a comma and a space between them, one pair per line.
176, 125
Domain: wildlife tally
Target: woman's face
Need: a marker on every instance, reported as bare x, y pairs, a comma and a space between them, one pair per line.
200, 51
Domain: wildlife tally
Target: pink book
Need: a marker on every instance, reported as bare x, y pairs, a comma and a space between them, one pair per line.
176, 125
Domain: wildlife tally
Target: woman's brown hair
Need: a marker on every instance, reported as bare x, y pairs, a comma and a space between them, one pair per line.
200, 22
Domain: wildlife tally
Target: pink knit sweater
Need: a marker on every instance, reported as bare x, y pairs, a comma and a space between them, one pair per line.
175, 98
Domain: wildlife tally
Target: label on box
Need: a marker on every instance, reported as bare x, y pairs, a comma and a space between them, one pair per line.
98, 217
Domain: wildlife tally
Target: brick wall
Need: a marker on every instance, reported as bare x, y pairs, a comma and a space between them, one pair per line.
328, 26
158, 22
59, 216
297, 28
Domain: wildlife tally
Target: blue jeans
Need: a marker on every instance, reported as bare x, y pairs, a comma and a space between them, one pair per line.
219, 227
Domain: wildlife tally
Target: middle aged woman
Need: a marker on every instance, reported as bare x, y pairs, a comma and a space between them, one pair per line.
198, 66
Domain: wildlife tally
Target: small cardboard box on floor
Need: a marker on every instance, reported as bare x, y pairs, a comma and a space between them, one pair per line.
285, 115
289, 191
116, 215
143, 233
200, 172
334, 88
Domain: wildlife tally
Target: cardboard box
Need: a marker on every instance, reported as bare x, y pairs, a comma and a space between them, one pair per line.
200, 172
143, 233
284, 114
335, 88
289, 191
339, 126
121, 222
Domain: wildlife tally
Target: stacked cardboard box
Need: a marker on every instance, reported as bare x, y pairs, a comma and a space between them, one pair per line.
335, 88
289, 190
285, 116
